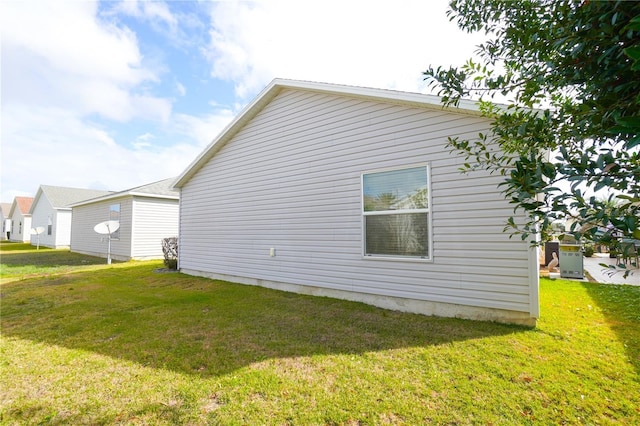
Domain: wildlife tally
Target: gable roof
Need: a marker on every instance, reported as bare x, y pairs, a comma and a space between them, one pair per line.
5, 208
277, 85
62, 197
162, 189
23, 204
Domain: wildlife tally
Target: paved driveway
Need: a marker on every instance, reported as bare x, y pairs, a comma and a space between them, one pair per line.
603, 275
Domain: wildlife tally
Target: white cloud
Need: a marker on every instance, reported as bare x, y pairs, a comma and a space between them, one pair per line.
156, 12
160, 11
58, 54
205, 128
181, 89
143, 141
61, 149
64, 71
380, 44
74, 77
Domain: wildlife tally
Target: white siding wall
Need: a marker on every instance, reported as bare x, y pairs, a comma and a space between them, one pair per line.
85, 240
290, 180
20, 227
39, 217
61, 219
5, 226
153, 220
62, 227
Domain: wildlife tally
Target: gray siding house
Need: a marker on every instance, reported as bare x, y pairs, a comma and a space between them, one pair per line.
351, 192
147, 214
51, 210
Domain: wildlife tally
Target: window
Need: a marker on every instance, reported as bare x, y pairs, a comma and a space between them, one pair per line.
49, 226
396, 213
114, 214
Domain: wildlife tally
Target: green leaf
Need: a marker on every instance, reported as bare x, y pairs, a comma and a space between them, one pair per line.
633, 52
632, 121
634, 24
585, 69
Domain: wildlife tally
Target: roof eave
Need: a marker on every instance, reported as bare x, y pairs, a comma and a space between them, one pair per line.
163, 196
123, 195
271, 90
36, 199
267, 94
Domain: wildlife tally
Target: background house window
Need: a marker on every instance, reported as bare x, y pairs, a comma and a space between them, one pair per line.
49, 226
114, 214
396, 213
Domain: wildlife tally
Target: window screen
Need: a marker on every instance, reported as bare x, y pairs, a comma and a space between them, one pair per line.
396, 213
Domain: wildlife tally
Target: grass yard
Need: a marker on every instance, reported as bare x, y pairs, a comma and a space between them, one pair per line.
22, 260
93, 343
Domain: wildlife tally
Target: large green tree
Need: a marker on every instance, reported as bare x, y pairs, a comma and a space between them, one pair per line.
569, 72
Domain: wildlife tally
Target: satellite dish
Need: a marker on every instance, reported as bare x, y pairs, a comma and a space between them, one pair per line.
107, 227
37, 231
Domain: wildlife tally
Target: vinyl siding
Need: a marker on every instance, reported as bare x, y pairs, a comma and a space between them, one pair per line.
290, 179
20, 232
40, 217
153, 220
61, 219
6, 227
85, 240
62, 227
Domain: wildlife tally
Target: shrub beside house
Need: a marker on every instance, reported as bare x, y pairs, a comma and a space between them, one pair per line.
146, 214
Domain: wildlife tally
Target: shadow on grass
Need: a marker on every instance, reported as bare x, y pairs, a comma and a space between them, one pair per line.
47, 258
621, 307
209, 328
16, 246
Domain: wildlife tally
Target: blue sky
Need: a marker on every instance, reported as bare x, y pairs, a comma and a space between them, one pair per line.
111, 95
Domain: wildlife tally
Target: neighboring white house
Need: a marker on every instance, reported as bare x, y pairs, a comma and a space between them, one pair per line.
50, 211
20, 219
352, 193
147, 214
5, 222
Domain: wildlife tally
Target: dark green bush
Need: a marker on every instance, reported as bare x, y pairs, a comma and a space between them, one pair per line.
588, 250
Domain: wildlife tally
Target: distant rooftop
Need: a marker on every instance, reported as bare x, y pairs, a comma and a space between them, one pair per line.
163, 187
160, 189
23, 204
61, 196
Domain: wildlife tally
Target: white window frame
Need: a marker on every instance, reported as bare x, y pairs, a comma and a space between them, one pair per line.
428, 211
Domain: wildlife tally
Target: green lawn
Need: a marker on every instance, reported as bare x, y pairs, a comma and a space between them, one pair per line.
125, 344
22, 260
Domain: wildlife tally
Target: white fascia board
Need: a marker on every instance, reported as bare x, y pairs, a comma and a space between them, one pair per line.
35, 200
227, 133
271, 90
147, 195
97, 200
465, 106
125, 195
